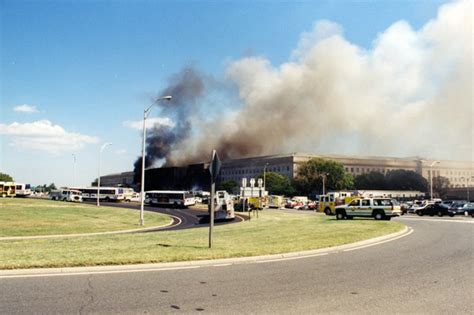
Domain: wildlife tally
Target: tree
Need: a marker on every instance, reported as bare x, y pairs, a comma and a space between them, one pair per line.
440, 186
5, 178
309, 179
405, 180
372, 180
277, 184
231, 186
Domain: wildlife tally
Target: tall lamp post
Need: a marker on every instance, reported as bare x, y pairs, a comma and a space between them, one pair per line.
431, 178
142, 185
264, 174
323, 175
98, 175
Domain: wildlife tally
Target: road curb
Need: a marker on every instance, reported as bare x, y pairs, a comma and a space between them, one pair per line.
43, 272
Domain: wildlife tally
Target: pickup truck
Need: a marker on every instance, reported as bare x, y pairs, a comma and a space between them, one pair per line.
377, 208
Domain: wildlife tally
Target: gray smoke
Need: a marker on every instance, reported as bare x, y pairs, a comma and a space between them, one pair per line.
186, 87
409, 94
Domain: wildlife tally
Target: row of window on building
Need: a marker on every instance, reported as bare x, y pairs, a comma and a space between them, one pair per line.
255, 171
362, 170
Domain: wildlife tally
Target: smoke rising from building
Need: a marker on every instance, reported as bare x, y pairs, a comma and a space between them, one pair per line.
186, 88
409, 94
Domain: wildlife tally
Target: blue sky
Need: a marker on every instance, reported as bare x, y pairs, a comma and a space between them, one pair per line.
89, 66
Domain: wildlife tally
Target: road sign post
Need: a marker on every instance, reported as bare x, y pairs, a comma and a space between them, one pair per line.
214, 169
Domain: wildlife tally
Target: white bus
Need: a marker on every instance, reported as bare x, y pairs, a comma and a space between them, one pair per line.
106, 193
23, 190
170, 198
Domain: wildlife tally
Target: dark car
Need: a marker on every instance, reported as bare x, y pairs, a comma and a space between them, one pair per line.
435, 209
468, 209
457, 207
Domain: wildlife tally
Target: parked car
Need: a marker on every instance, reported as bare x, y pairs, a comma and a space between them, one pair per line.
415, 207
378, 208
435, 209
313, 205
457, 207
468, 209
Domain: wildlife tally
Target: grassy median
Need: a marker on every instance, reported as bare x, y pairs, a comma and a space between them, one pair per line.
274, 232
30, 217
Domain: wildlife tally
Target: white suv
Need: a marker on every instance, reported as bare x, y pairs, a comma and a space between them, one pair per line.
378, 208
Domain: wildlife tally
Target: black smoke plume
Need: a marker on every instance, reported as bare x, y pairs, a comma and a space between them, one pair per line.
186, 88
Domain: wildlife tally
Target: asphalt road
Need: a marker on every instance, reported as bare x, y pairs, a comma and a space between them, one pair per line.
429, 271
188, 217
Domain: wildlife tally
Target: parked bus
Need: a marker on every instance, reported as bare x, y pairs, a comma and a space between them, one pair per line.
170, 198
22, 190
106, 193
7, 189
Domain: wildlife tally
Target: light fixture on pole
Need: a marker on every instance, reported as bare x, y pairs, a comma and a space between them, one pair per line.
98, 171
142, 185
431, 178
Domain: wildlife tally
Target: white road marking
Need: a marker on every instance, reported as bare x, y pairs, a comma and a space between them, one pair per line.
438, 220
222, 265
59, 274
290, 258
378, 243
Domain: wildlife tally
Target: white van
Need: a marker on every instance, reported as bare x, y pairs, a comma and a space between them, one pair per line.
66, 195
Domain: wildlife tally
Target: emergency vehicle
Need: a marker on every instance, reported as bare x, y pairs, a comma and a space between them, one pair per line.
223, 206
378, 208
275, 201
329, 202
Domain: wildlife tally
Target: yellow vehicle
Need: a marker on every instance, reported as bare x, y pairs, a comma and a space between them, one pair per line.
329, 202
256, 202
7, 189
275, 201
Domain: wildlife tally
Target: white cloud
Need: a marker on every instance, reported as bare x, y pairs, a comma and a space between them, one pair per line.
25, 108
44, 136
150, 123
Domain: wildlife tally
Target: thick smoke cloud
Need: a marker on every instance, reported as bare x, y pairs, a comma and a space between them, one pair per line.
409, 94
186, 87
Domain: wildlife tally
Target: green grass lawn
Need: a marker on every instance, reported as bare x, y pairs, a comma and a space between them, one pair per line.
28, 217
274, 232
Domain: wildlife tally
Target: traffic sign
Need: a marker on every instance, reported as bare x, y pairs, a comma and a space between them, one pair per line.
215, 166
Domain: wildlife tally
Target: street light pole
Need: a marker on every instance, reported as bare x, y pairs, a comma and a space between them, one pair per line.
324, 182
431, 178
98, 175
142, 185
264, 174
